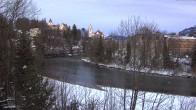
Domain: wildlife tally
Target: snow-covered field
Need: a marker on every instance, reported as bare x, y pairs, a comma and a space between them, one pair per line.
114, 98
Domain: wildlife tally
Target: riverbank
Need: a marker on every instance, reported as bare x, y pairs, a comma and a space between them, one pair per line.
60, 55
113, 96
75, 71
170, 73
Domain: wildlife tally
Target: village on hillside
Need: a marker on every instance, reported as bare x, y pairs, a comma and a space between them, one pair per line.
155, 47
177, 44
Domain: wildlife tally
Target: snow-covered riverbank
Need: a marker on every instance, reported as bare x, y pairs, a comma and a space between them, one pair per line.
113, 98
144, 70
86, 94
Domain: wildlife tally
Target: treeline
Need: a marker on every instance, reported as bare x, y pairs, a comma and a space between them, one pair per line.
145, 48
59, 41
101, 50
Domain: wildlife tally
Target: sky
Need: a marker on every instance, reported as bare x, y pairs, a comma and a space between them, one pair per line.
105, 15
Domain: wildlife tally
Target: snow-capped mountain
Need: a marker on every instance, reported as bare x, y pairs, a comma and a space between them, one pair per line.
188, 31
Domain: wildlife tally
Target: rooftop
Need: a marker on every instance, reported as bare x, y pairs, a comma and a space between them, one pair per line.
180, 37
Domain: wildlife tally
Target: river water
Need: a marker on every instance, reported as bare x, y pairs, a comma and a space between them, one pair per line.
74, 71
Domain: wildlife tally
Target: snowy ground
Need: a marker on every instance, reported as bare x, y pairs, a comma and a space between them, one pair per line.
113, 98
146, 70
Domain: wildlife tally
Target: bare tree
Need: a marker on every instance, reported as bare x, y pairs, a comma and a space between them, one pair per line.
140, 49
3, 4
14, 9
130, 26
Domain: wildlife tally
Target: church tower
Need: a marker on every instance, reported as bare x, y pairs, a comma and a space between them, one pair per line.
50, 23
90, 31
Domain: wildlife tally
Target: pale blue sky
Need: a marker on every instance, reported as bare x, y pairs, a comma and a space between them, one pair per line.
170, 15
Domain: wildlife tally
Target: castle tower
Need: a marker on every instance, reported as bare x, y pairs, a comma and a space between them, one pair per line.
50, 23
90, 31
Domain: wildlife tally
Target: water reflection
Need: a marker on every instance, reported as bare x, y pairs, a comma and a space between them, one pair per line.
73, 70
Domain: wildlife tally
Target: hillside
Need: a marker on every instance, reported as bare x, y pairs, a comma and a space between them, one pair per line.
188, 31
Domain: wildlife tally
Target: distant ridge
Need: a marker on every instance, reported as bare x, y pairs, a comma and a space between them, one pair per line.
118, 37
188, 31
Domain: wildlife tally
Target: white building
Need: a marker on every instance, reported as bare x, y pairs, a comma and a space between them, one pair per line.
90, 31
63, 26
94, 34
35, 32
50, 23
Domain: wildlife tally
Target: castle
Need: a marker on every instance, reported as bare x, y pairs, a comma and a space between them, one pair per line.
61, 27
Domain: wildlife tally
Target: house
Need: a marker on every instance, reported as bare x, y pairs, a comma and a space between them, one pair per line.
35, 32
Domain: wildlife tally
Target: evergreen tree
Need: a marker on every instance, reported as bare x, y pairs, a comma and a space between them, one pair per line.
100, 51
108, 54
31, 91
127, 58
69, 40
74, 32
167, 63
23, 24
110, 47
6, 32
84, 39
3, 51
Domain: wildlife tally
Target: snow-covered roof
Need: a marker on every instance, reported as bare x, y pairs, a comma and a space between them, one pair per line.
50, 20
99, 32
180, 37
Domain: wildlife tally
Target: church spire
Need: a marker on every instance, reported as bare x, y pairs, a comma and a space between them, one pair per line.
50, 23
90, 31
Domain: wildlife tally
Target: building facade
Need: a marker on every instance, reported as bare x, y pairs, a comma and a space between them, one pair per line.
180, 45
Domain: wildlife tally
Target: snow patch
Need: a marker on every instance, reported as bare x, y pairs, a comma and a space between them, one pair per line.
24, 67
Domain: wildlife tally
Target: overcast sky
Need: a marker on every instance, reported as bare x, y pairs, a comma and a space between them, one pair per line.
105, 15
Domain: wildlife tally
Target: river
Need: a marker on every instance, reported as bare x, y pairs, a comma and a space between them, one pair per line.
73, 70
